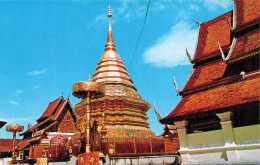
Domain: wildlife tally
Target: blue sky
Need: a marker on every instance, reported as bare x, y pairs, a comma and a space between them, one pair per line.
46, 46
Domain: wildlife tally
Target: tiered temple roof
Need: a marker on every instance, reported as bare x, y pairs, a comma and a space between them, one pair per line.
226, 64
50, 120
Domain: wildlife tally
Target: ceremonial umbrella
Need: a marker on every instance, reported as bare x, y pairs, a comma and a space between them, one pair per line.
84, 90
14, 128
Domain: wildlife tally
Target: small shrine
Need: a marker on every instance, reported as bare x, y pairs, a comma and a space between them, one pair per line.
53, 137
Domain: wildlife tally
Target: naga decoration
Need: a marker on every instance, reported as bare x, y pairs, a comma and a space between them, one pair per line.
188, 54
243, 74
221, 52
157, 112
176, 86
231, 28
230, 50
197, 22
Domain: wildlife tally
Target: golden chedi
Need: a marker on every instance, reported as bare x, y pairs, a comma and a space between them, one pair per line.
120, 109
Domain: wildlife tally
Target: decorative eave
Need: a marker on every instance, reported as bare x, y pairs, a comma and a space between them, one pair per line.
36, 126
212, 85
239, 94
210, 57
248, 55
250, 26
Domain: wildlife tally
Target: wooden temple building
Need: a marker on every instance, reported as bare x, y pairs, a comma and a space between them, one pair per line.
52, 136
217, 117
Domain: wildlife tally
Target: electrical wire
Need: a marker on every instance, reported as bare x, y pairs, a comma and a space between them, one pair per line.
132, 60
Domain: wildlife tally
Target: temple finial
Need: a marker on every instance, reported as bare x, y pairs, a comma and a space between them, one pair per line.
88, 76
110, 45
109, 13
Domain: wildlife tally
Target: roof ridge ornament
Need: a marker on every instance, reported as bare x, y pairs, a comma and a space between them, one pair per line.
231, 28
243, 74
188, 54
197, 22
157, 112
230, 50
176, 86
221, 52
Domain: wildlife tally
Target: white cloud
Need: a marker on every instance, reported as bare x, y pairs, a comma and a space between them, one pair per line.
194, 7
17, 94
211, 5
100, 18
214, 4
123, 7
36, 72
13, 102
158, 6
169, 50
36, 87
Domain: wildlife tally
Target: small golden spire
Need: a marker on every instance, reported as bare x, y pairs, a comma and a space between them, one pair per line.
88, 76
110, 45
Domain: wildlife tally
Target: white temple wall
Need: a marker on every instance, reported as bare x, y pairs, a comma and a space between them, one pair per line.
240, 144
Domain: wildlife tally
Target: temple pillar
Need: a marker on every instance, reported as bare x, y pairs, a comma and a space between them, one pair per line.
182, 133
227, 129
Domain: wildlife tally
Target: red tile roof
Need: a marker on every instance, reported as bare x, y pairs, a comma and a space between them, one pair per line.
246, 45
246, 11
209, 34
204, 75
52, 112
58, 111
24, 143
51, 107
220, 97
6, 145
36, 126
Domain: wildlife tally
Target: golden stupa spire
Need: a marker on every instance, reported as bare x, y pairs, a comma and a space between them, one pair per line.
110, 45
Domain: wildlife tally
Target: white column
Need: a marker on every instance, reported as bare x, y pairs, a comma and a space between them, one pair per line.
182, 133
227, 129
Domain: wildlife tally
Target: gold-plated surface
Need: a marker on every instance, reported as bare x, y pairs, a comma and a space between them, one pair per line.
120, 111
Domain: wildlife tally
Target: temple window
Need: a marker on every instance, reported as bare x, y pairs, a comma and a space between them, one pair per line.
203, 124
21, 153
247, 117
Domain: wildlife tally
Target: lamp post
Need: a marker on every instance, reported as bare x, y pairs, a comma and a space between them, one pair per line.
84, 90
14, 128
